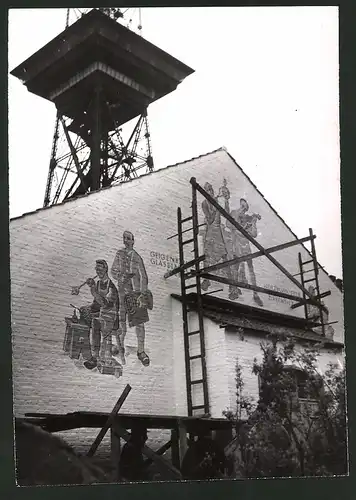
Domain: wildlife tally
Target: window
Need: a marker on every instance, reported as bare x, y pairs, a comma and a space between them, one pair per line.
308, 387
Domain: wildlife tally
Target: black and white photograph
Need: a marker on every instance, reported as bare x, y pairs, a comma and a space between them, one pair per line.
176, 271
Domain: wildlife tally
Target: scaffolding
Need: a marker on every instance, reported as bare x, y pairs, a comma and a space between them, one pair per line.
191, 273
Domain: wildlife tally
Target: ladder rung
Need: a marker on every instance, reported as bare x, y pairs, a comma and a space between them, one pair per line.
188, 241
307, 262
198, 407
195, 382
304, 272
190, 286
196, 356
311, 279
187, 218
194, 333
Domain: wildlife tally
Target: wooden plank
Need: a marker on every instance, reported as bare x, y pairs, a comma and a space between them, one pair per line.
254, 255
213, 291
109, 421
44, 415
57, 423
162, 463
220, 279
245, 233
96, 420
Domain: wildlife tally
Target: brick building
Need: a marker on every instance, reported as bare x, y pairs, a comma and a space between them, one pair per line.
54, 249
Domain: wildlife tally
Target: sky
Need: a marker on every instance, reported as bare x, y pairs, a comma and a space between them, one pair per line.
265, 86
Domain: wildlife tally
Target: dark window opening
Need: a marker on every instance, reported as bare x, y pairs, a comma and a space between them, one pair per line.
307, 386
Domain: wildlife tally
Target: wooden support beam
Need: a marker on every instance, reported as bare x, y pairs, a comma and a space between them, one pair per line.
220, 279
254, 255
183, 441
250, 238
175, 448
115, 451
308, 301
213, 291
109, 421
163, 464
161, 451
177, 270
185, 231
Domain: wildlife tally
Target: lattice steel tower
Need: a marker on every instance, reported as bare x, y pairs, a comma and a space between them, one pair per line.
101, 76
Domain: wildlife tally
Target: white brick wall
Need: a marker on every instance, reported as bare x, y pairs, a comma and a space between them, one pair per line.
54, 249
246, 348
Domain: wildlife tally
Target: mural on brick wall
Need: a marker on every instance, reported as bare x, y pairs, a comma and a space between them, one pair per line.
117, 303
214, 244
224, 242
134, 296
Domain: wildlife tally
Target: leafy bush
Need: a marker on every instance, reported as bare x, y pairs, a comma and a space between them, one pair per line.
298, 425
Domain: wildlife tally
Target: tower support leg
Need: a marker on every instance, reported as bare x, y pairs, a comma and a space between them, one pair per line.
96, 141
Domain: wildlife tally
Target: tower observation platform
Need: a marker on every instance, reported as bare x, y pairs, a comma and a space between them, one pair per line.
100, 75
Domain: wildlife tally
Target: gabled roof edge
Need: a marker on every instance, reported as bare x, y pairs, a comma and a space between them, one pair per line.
117, 185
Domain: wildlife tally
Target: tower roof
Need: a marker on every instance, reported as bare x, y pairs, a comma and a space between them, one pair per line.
64, 69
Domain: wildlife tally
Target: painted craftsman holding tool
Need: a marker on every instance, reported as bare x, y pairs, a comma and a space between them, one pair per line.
101, 314
134, 297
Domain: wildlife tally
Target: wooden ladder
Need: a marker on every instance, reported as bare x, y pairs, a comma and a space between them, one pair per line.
195, 406
314, 280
